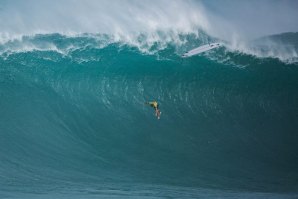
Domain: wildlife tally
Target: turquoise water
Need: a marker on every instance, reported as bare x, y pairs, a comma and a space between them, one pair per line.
73, 121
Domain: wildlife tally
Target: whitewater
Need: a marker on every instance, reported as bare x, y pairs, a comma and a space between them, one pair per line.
73, 122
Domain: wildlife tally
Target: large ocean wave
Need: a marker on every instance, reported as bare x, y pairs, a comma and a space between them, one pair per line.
73, 118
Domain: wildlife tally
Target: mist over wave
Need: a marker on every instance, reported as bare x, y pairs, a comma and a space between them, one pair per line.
122, 19
74, 77
146, 24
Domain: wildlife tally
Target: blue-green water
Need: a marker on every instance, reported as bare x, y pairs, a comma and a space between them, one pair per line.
73, 123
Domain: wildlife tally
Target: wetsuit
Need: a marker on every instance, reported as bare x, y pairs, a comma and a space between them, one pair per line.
154, 104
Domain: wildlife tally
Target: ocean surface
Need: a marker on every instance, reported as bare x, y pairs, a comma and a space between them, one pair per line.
73, 122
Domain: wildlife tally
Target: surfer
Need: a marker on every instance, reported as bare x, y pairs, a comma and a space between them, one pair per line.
155, 105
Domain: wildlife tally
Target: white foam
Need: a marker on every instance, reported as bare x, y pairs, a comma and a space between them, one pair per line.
267, 49
123, 19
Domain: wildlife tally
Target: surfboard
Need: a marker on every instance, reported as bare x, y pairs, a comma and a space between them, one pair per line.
201, 49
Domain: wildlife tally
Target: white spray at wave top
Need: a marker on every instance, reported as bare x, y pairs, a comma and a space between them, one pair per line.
159, 20
120, 18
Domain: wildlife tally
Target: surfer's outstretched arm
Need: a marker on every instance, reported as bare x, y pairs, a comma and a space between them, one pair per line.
149, 103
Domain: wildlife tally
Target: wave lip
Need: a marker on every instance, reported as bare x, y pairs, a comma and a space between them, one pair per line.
281, 47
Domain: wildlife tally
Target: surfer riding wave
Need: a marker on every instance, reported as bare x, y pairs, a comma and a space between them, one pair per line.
155, 105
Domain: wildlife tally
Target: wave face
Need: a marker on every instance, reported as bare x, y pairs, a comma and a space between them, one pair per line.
73, 120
